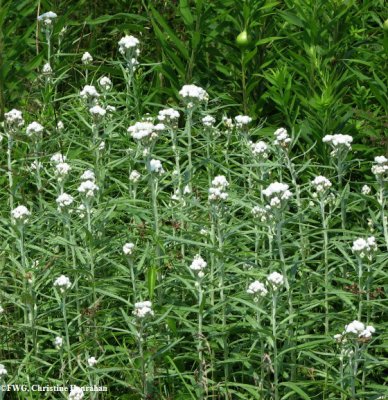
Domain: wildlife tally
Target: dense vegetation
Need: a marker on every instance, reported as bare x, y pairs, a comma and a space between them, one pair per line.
196, 207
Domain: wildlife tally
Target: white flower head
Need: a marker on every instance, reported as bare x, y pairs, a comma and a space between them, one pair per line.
156, 166
321, 185
365, 248
14, 119
88, 188
89, 92
105, 83
168, 116
86, 58
220, 182
193, 95
198, 265
47, 70
58, 158
128, 45
62, 169
275, 280
88, 175
76, 393
47, 18
282, 139
380, 168
20, 215
366, 190
101, 146
1, 309
208, 121
97, 112
259, 149
228, 123
3, 371
142, 309
128, 249
92, 362
134, 176
64, 201
58, 342
242, 121
277, 194
257, 288
262, 213
339, 143
62, 283
144, 130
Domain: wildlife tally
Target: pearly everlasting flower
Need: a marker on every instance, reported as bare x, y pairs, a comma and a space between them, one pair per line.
228, 122
20, 215
217, 191
105, 83
142, 309
101, 146
338, 142
58, 158
62, 283
14, 119
92, 361
81, 211
365, 248
64, 200
62, 169
144, 130
156, 166
76, 393
1, 310
88, 188
128, 44
128, 248
242, 120
3, 371
220, 182
47, 17
338, 337
58, 342
192, 95
35, 165
208, 121
89, 92
258, 289
35, 128
358, 329
47, 70
97, 112
169, 115
277, 194
282, 138
321, 184
88, 175
275, 280
262, 213
86, 58
60, 126
365, 190
134, 176
380, 168
203, 232
110, 109
259, 149
198, 265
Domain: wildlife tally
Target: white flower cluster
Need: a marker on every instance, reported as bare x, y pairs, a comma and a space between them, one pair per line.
156, 166
105, 83
198, 265
259, 149
365, 248
142, 309
242, 120
193, 95
58, 342
380, 169
88, 175
217, 191
3, 371
134, 176
128, 44
89, 93
228, 123
47, 17
14, 119
208, 121
258, 289
62, 169
277, 194
338, 142
76, 393
145, 130
88, 188
262, 213
321, 185
1, 309
64, 200
86, 58
365, 190
356, 328
58, 158
47, 70
282, 138
20, 214
62, 283
92, 361
128, 249
169, 115
275, 280
97, 112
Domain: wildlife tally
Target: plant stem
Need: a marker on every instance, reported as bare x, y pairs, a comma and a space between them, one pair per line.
66, 332
200, 344
10, 175
189, 121
275, 348
325, 262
